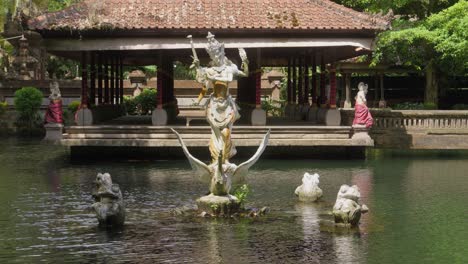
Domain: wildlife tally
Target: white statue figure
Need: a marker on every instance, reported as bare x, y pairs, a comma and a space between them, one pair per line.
362, 115
109, 206
347, 209
309, 190
221, 110
54, 91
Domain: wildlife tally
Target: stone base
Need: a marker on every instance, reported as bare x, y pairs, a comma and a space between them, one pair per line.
289, 110
84, 117
219, 205
258, 117
159, 117
382, 104
321, 113
361, 136
54, 131
312, 115
332, 117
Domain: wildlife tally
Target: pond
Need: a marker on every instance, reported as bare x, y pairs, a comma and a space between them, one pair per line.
418, 211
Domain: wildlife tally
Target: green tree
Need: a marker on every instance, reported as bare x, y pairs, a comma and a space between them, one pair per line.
437, 45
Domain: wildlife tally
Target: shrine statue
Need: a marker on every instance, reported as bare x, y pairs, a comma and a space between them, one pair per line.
362, 115
221, 111
54, 112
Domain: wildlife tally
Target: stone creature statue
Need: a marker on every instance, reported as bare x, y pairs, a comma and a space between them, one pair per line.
109, 205
309, 190
347, 209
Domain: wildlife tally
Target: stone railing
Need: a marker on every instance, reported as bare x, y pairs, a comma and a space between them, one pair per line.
417, 129
413, 119
424, 119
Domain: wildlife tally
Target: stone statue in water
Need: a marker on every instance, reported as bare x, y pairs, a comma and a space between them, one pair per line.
309, 190
221, 113
109, 206
347, 209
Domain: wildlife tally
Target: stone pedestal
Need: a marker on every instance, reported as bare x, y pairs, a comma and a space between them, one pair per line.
84, 117
361, 136
258, 117
54, 131
332, 117
312, 115
159, 117
219, 205
321, 112
382, 104
289, 110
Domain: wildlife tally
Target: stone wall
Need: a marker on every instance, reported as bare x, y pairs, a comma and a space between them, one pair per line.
416, 129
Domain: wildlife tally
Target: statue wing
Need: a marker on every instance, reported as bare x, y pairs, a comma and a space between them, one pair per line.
201, 168
242, 169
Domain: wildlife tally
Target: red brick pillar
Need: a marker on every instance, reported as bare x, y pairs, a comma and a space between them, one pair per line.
332, 86
112, 79
84, 80
289, 86
92, 77
314, 82
100, 75
258, 88
323, 96
159, 87
106, 79
121, 79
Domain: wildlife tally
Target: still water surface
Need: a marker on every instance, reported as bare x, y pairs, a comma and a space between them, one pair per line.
418, 212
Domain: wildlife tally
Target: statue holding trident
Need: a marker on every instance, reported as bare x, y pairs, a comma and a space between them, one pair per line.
221, 111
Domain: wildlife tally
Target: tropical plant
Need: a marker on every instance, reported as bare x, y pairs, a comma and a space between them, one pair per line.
27, 102
130, 105
73, 107
3, 107
146, 101
241, 193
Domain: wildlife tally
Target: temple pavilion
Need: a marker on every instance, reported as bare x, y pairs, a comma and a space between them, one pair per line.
307, 37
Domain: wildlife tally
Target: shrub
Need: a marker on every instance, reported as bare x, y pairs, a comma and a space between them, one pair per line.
460, 107
3, 107
146, 101
273, 107
27, 102
73, 107
409, 106
130, 105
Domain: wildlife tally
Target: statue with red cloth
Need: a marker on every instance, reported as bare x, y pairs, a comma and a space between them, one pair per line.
54, 112
362, 115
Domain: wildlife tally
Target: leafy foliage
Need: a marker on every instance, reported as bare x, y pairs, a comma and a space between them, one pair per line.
73, 106
27, 102
130, 105
242, 192
146, 101
3, 107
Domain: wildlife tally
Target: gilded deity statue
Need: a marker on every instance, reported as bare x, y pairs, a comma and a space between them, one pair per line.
221, 109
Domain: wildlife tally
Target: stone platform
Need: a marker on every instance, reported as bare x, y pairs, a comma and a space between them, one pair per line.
292, 141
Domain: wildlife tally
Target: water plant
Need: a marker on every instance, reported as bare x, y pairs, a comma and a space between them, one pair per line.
242, 192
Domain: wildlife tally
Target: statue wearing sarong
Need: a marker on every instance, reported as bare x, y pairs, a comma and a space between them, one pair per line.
362, 115
54, 113
221, 109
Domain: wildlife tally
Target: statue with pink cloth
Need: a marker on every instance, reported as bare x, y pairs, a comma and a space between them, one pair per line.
362, 115
54, 112
53, 120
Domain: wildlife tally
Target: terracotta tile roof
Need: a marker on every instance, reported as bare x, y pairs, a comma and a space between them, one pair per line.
207, 14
